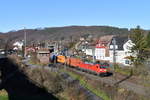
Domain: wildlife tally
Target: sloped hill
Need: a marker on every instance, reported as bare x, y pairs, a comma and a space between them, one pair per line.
65, 32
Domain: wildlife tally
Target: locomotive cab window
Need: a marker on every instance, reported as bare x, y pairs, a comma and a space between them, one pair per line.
104, 65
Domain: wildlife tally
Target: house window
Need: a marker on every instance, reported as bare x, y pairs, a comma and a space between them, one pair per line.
127, 62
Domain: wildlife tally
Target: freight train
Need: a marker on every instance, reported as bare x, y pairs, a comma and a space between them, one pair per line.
94, 68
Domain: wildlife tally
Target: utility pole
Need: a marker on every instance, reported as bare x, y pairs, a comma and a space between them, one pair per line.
85, 46
25, 42
114, 53
60, 47
93, 53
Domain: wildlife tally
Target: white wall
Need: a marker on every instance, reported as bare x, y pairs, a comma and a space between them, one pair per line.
89, 52
18, 45
120, 54
100, 54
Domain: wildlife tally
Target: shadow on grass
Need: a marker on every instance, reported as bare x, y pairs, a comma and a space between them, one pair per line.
18, 85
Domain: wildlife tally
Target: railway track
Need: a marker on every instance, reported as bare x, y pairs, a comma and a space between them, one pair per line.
54, 68
111, 80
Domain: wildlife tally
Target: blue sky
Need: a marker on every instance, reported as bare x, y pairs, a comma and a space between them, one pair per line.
16, 14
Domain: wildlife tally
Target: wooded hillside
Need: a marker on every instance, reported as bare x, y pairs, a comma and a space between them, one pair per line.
68, 32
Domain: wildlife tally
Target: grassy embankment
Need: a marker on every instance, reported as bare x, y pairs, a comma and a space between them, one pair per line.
124, 71
90, 87
141, 73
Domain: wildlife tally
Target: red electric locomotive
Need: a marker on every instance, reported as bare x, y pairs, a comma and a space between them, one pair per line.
95, 68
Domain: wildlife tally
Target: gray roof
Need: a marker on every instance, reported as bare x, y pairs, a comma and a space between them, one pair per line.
119, 41
90, 47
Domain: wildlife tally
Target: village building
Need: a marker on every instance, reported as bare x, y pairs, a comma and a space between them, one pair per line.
90, 50
43, 55
122, 51
29, 50
104, 50
18, 45
101, 51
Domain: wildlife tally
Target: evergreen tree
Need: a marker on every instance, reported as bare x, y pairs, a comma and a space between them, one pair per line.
148, 45
140, 46
148, 40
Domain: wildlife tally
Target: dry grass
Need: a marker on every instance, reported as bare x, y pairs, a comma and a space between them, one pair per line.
113, 92
45, 79
52, 82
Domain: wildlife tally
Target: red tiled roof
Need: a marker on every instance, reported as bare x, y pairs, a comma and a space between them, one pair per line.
100, 46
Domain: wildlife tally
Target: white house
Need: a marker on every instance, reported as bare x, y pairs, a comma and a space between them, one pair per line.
100, 53
122, 51
102, 48
18, 45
